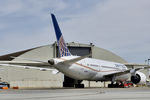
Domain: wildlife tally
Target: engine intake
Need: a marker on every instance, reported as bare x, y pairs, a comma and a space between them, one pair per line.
138, 78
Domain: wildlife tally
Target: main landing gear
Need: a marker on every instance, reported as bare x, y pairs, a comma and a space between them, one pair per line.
79, 85
113, 85
69, 82
116, 85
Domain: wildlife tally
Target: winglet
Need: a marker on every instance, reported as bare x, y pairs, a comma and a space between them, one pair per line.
63, 49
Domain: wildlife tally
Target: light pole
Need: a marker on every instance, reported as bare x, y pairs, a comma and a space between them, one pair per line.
148, 65
148, 61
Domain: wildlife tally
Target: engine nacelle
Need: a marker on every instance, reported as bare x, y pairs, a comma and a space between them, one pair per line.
139, 78
51, 61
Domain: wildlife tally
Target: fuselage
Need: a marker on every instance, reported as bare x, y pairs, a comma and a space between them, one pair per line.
90, 69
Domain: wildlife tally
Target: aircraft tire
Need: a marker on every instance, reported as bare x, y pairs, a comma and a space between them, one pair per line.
113, 85
79, 85
110, 85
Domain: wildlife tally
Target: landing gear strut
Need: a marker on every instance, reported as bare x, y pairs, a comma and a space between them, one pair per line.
79, 85
113, 85
118, 85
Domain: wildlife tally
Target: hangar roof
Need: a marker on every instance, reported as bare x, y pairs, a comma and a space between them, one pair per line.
48, 51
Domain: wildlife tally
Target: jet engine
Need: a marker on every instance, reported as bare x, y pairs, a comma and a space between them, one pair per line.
51, 61
138, 78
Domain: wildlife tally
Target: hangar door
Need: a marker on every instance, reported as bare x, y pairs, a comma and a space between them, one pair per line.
79, 51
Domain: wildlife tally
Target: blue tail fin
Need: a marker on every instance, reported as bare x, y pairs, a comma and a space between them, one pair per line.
63, 49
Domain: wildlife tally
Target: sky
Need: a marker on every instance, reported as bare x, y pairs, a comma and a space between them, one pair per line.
120, 26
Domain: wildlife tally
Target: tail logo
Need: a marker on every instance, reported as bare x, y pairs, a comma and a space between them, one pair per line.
63, 50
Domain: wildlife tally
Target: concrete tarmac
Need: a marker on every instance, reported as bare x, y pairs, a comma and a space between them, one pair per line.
138, 93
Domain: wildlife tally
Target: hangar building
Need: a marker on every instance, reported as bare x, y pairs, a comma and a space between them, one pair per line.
31, 78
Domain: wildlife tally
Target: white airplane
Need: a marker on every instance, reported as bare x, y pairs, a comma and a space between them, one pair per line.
82, 67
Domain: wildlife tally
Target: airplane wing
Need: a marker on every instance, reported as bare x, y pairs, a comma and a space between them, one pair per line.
43, 67
29, 64
131, 65
132, 71
27, 59
26, 63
